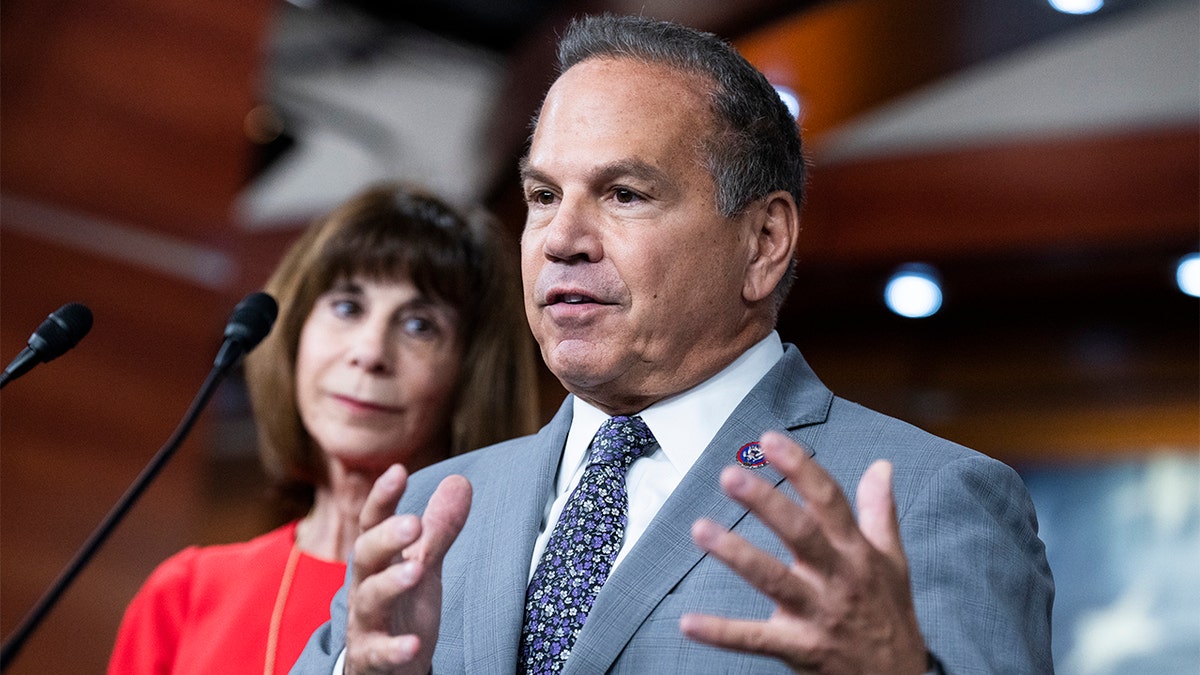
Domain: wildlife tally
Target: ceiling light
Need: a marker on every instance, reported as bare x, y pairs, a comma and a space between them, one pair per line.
1187, 274
914, 291
1077, 6
790, 98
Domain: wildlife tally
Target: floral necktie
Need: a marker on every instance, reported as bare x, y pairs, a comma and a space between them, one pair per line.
582, 547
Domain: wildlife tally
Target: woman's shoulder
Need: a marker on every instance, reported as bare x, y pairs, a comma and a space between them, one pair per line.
278, 540
196, 564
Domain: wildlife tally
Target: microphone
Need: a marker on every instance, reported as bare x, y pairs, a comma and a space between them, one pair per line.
61, 331
250, 322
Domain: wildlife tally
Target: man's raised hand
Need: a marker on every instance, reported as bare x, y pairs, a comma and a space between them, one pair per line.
844, 605
395, 595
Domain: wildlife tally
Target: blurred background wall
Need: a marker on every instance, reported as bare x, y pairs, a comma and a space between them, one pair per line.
157, 155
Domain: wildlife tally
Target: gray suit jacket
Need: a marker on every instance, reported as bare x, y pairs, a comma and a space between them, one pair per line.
980, 580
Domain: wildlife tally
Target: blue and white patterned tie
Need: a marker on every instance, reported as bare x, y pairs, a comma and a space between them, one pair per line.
582, 547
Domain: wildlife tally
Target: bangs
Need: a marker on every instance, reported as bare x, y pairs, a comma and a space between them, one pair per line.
434, 251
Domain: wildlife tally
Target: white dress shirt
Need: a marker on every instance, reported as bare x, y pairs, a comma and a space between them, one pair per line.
683, 425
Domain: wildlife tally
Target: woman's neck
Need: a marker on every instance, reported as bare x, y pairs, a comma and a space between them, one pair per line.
330, 528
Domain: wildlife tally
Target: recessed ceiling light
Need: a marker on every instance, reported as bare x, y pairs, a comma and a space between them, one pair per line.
914, 291
790, 98
1077, 6
1187, 274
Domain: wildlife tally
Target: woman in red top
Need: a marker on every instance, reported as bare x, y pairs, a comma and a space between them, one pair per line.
400, 338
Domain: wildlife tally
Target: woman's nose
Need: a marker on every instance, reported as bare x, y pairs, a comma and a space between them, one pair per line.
369, 349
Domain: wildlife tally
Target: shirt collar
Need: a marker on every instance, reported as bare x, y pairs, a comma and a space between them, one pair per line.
685, 423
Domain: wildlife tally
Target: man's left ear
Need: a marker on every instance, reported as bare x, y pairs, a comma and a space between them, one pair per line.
777, 226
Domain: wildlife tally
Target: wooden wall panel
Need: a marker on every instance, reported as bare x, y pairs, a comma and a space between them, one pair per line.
75, 432
128, 112
1101, 190
131, 109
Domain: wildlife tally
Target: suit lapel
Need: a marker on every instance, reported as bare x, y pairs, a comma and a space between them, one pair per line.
787, 398
510, 505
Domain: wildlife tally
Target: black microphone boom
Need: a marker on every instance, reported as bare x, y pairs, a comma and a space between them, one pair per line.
248, 325
61, 331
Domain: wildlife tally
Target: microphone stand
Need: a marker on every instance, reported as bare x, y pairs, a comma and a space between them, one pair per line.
15, 641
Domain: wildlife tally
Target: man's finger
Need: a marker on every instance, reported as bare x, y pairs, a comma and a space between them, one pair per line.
756, 637
444, 518
381, 653
379, 546
761, 569
877, 512
376, 595
823, 496
787, 519
384, 496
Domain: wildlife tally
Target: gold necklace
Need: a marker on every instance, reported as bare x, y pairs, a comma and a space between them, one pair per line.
285, 586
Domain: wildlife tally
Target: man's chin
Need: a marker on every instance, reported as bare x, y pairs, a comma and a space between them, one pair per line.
578, 377
580, 372
602, 387
576, 358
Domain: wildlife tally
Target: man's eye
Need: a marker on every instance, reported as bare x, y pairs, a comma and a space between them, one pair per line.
625, 196
542, 197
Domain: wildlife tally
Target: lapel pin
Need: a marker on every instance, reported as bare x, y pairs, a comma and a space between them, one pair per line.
751, 456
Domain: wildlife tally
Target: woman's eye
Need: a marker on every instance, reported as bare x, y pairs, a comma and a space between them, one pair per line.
345, 308
417, 325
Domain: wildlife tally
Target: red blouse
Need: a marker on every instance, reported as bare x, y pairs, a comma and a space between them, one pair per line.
208, 610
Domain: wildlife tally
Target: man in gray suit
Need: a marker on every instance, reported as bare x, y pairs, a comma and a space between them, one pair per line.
663, 182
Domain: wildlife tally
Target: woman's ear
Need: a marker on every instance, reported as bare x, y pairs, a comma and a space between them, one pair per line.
776, 232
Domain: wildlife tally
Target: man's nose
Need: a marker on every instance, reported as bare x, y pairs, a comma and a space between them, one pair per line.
573, 233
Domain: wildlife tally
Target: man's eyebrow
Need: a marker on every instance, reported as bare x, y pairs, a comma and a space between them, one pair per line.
530, 173
633, 168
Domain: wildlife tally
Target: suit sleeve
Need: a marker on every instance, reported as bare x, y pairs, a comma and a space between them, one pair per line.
981, 583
